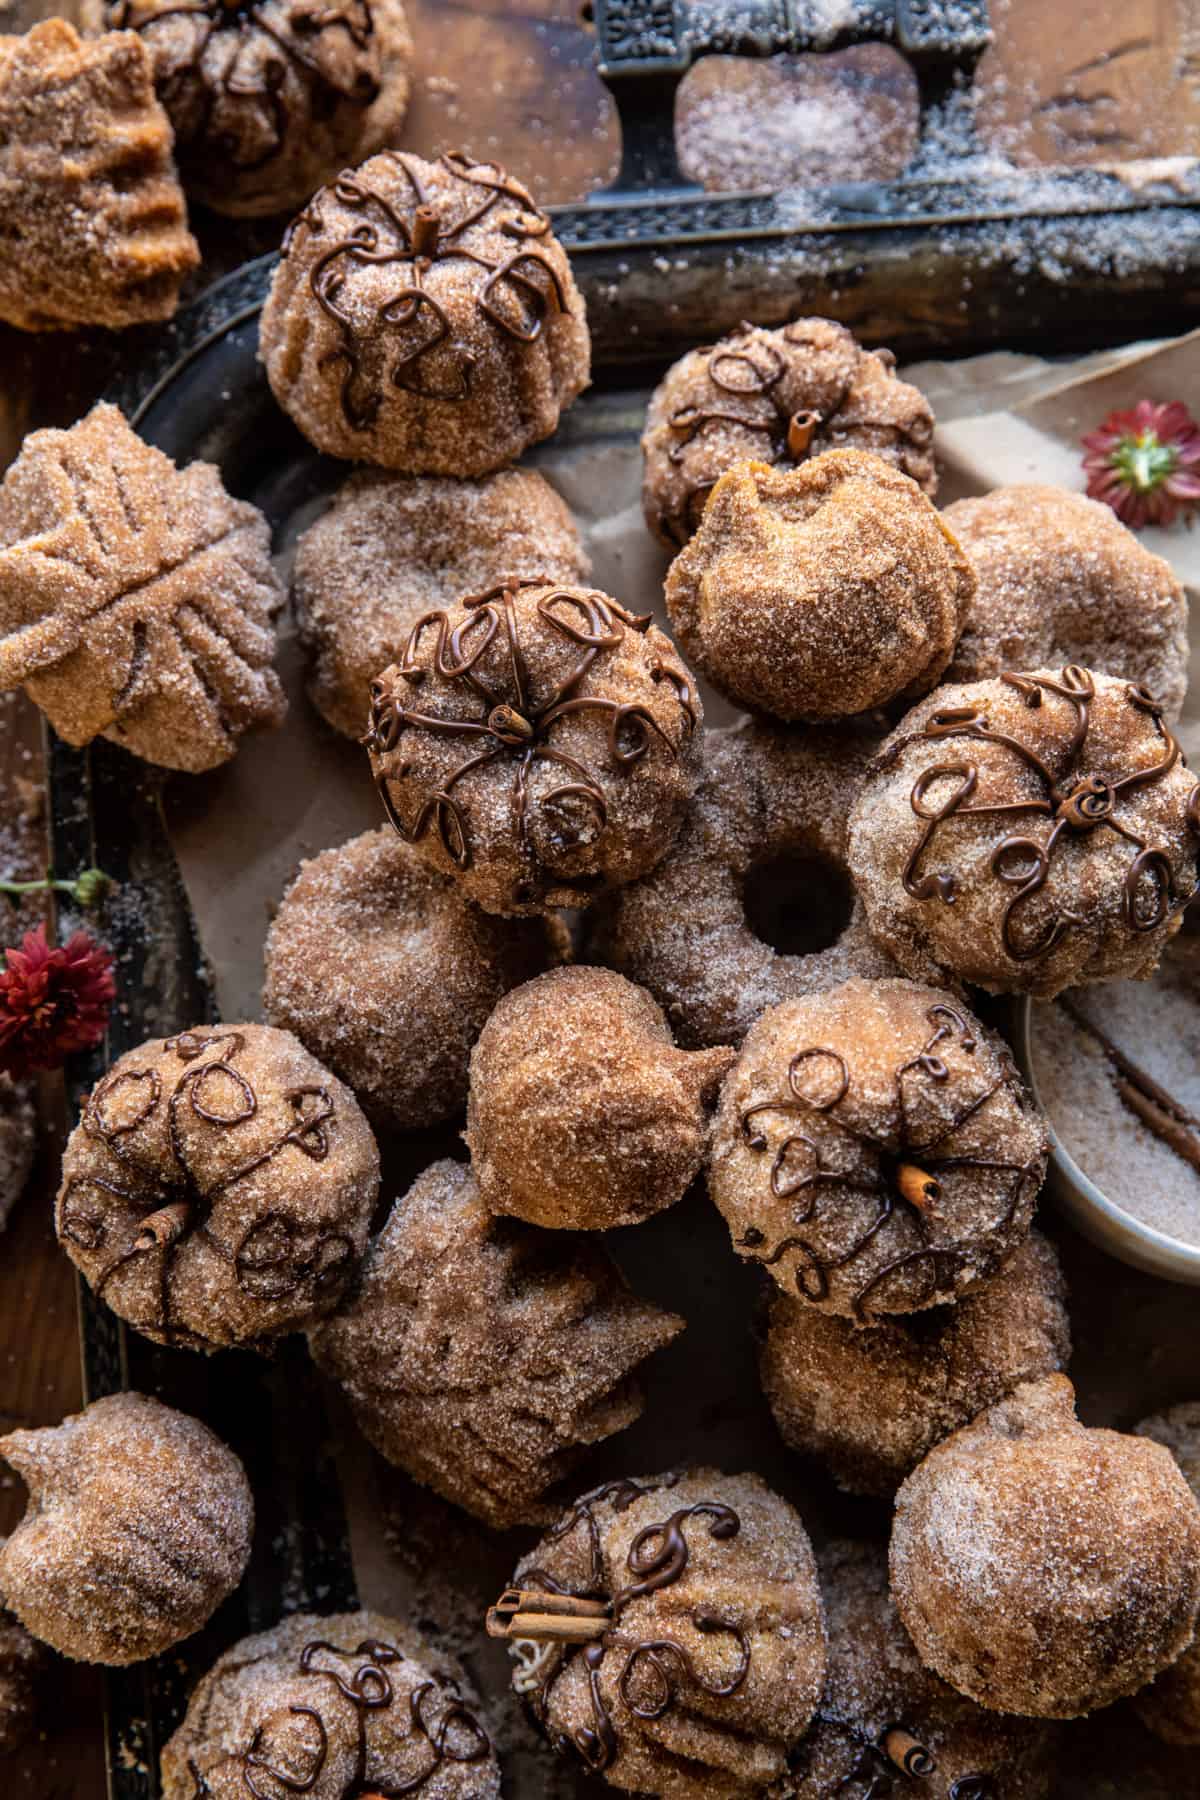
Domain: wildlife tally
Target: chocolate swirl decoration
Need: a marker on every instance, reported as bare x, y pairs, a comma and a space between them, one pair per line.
513, 731
819, 1081
514, 293
238, 61
279, 1255
745, 377
456, 1737
653, 1669
1074, 805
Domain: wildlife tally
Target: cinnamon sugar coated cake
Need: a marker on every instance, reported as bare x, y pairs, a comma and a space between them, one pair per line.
341, 1705
392, 547
485, 1357
269, 98
138, 1526
424, 317
88, 188
137, 599
678, 1642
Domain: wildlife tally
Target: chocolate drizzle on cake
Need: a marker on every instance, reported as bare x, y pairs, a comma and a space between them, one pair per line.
745, 378
904, 1173
515, 724
406, 340
278, 1255
442, 1729
653, 1670
1074, 805
238, 62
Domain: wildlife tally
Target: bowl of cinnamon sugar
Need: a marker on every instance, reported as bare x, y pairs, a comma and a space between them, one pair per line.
1116, 1069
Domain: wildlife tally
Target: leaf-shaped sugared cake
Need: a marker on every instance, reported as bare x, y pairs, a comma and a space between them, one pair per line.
92, 216
136, 598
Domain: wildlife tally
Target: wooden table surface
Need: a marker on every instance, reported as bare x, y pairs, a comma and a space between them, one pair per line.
509, 79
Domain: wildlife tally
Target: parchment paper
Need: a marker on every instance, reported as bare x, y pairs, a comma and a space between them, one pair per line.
239, 835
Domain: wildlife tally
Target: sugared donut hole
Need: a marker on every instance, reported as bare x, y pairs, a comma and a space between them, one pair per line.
797, 903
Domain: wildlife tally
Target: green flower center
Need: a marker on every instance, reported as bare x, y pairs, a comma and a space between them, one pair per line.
1143, 462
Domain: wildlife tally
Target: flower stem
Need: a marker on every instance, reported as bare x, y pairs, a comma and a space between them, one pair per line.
86, 890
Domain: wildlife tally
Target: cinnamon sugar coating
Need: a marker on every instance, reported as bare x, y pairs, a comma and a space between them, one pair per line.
136, 599
881, 1710
539, 743
91, 211
337, 1707
821, 591
1170, 1707
23, 1667
1044, 1568
1061, 580
1028, 834
774, 397
424, 317
582, 1113
218, 1188
269, 98
710, 1662
876, 1149
870, 1403
770, 802
392, 547
139, 1525
388, 975
484, 1357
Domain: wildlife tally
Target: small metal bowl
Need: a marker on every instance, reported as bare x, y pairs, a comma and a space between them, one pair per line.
1095, 1215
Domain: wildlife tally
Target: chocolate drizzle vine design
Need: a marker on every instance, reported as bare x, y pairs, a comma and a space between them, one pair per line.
227, 87
441, 1728
1073, 804
405, 339
547, 1624
279, 1255
514, 729
905, 1182
746, 378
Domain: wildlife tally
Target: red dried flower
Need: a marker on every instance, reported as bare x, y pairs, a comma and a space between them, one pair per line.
1145, 463
54, 999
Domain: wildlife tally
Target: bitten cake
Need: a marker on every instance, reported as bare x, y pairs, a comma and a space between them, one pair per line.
218, 1188
819, 592
1044, 1568
269, 98
136, 599
668, 1633
876, 1149
91, 211
424, 317
388, 975
582, 1114
484, 1357
1171, 1705
538, 743
870, 1403
392, 547
1060, 580
1028, 834
341, 1707
138, 1526
774, 397
886, 1726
